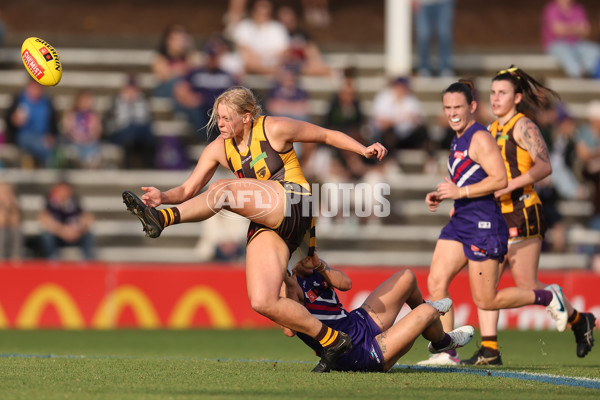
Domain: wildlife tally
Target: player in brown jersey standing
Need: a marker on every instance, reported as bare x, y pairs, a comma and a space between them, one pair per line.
527, 161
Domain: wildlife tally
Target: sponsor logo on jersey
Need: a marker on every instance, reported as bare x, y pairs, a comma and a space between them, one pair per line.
261, 156
525, 197
484, 225
460, 154
311, 295
513, 232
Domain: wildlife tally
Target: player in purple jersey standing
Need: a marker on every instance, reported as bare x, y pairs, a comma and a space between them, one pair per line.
378, 340
476, 234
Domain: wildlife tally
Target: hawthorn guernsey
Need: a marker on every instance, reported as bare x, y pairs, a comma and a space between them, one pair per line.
41, 60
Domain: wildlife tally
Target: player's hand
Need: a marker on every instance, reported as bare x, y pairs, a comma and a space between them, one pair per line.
152, 197
376, 150
501, 192
448, 190
287, 331
433, 201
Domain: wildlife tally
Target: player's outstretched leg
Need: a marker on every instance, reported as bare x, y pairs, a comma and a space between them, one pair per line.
458, 338
147, 215
584, 333
332, 353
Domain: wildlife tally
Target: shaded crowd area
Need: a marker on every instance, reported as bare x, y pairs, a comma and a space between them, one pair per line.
146, 107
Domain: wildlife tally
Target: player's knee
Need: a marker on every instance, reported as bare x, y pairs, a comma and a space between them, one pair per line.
219, 185
261, 306
427, 313
485, 302
438, 286
408, 277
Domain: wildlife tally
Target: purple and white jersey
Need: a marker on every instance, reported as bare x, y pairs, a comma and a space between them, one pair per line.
322, 302
477, 222
462, 169
320, 299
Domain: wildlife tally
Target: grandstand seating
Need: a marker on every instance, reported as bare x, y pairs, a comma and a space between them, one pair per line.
406, 239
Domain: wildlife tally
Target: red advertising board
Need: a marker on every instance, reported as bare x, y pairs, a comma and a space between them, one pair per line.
180, 296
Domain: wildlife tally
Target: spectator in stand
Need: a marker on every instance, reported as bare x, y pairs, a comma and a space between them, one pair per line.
129, 126
565, 29
345, 114
558, 129
2, 29
236, 12
398, 120
563, 155
262, 41
175, 57
229, 60
434, 17
316, 12
196, 93
82, 133
11, 236
287, 98
65, 223
588, 152
303, 53
32, 123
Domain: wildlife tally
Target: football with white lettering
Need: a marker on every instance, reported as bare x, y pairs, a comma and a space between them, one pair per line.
41, 60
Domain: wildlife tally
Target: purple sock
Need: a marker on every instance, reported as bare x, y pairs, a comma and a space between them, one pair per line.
542, 297
443, 343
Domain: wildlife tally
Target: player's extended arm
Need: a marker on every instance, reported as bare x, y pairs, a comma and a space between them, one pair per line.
211, 157
288, 131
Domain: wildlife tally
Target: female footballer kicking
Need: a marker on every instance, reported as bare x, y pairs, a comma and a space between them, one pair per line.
268, 191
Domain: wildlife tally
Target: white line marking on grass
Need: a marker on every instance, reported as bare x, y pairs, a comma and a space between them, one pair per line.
588, 383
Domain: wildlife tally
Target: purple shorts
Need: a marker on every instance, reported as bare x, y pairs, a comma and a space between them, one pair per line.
365, 354
481, 240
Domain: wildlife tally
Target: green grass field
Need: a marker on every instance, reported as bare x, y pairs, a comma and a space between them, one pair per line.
264, 364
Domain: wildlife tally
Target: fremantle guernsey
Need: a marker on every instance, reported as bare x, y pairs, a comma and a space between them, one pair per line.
477, 222
322, 302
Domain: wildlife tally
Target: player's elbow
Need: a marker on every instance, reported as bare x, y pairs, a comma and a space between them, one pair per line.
345, 284
547, 169
500, 182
